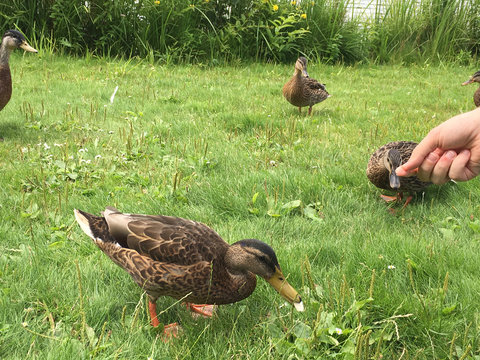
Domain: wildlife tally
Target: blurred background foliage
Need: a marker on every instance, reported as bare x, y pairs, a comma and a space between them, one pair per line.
220, 31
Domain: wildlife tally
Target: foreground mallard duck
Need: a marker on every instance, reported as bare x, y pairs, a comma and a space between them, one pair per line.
382, 165
184, 259
475, 78
301, 90
11, 40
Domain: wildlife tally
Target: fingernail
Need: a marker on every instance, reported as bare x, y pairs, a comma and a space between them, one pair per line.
450, 154
433, 157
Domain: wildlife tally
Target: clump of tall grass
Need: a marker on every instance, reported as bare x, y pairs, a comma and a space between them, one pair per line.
411, 30
251, 30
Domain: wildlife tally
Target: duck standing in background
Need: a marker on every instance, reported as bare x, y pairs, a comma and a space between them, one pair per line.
11, 40
301, 90
476, 96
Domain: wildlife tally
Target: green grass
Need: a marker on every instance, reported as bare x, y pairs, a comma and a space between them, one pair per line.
221, 146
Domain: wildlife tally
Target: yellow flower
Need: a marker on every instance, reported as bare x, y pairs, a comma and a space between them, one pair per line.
303, 16
293, 2
157, 2
313, 3
207, 1
275, 7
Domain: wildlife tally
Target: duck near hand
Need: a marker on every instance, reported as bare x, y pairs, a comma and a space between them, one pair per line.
381, 170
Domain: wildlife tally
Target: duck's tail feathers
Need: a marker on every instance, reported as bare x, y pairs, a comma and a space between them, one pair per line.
94, 226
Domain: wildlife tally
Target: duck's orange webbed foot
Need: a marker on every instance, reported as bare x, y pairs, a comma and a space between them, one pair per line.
204, 310
171, 331
392, 198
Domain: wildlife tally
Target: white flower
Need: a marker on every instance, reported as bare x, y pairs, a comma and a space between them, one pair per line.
338, 331
83, 150
45, 146
273, 163
110, 132
391, 267
24, 149
58, 145
98, 157
71, 157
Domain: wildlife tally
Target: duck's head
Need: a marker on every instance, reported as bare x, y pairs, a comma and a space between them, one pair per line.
392, 160
14, 39
251, 255
475, 78
301, 66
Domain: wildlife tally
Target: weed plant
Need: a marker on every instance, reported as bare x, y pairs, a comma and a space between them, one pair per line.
220, 145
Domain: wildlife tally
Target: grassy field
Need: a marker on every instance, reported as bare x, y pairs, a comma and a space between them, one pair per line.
221, 146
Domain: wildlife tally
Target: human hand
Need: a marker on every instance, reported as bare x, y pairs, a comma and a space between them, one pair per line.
449, 151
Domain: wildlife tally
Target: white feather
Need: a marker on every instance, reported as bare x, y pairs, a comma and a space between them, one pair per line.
82, 221
113, 95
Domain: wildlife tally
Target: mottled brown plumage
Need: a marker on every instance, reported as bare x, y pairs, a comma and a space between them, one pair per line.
383, 163
301, 90
11, 40
476, 96
184, 259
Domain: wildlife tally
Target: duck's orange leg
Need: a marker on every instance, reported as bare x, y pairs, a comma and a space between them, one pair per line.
409, 198
202, 309
152, 308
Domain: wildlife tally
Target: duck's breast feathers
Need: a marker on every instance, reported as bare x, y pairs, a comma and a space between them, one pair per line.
166, 238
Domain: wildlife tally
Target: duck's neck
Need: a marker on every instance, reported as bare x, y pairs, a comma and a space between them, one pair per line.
4, 54
297, 74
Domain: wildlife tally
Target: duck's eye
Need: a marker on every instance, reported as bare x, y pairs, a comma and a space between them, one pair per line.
281, 278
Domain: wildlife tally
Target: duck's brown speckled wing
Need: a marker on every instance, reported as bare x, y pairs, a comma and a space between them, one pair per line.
379, 176
315, 91
165, 238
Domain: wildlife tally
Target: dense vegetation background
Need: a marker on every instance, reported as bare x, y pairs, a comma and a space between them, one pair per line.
217, 31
